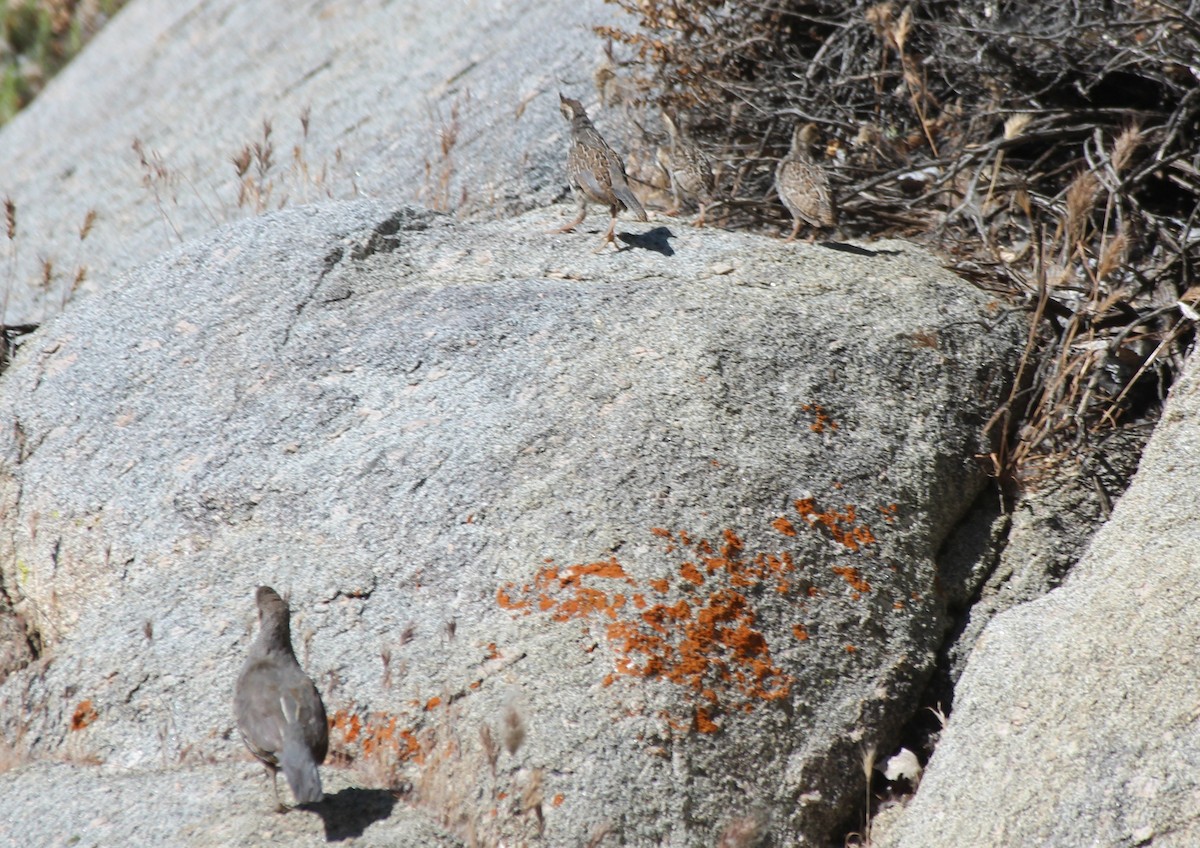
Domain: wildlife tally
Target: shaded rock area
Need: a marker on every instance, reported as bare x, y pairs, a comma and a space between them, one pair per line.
452, 105
642, 541
1076, 718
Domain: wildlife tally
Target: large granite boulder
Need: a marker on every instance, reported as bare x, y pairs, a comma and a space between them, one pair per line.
643, 541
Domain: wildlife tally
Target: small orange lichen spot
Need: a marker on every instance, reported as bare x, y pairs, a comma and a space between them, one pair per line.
557, 800
800, 632
813, 592
548, 560
84, 715
898, 605
609, 568
608, 680
660, 586
501, 795
704, 723
691, 574
639, 601
661, 532
784, 526
432, 703
852, 576
850, 649
475, 684
493, 653
916, 596
505, 600
412, 748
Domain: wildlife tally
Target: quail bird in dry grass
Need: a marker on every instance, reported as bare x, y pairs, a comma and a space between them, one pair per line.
595, 172
803, 185
279, 711
689, 169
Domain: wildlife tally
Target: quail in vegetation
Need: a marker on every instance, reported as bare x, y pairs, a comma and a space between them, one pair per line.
279, 711
595, 172
803, 185
689, 169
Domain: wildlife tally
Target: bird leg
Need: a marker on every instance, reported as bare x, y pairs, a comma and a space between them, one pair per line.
608, 235
795, 229
280, 807
700, 220
566, 228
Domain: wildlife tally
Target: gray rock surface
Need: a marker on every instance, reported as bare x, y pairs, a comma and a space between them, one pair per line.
453, 105
642, 540
209, 805
1076, 719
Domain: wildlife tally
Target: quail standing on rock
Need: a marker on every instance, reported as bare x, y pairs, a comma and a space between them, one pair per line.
279, 711
688, 168
595, 171
803, 185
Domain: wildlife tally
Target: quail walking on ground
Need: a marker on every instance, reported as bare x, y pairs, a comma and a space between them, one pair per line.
595, 172
279, 711
803, 185
689, 169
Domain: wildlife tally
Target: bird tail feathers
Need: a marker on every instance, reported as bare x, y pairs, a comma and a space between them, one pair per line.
299, 769
625, 194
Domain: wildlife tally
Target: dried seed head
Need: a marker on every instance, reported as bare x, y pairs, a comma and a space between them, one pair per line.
1014, 125
1081, 199
903, 28
10, 218
1125, 146
89, 221
742, 832
514, 729
490, 749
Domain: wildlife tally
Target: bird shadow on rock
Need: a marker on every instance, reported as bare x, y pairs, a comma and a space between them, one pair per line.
655, 239
856, 249
348, 813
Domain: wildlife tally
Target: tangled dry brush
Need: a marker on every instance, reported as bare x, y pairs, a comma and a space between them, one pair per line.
1048, 150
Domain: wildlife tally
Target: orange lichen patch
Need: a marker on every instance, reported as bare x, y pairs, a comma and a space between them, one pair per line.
843, 527
563, 593
557, 800
709, 642
800, 632
784, 526
506, 601
889, 512
433, 703
852, 576
379, 735
821, 421
493, 653
850, 649
84, 715
347, 724
899, 605
704, 722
